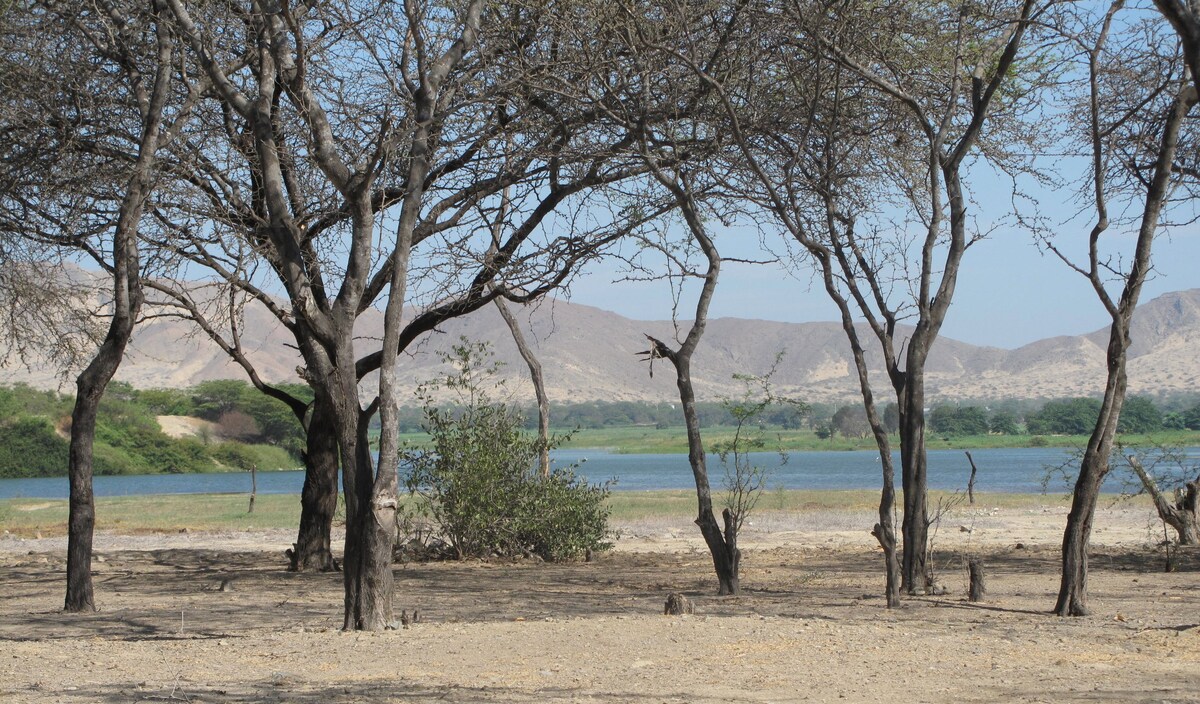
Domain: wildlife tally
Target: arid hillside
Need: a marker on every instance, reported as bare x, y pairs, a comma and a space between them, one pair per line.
590, 354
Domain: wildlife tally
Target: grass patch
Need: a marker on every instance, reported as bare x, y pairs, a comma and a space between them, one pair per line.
156, 513
227, 512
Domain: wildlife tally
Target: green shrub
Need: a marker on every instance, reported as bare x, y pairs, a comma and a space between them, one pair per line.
109, 460
29, 447
237, 455
479, 483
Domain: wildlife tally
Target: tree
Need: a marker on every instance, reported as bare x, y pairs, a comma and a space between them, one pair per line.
744, 480
1134, 155
1074, 416
1003, 423
480, 481
954, 420
722, 542
1139, 415
891, 417
539, 384
95, 106
851, 422
426, 145
855, 137
1191, 418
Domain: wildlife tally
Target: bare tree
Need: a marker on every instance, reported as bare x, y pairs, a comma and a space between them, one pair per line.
721, 541
427, 147
126, 53
857, 146
1136, 102
1183, 513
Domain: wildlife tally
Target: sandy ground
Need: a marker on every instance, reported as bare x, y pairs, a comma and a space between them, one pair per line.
810, 625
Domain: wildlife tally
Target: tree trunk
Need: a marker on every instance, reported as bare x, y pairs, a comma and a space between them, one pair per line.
915, 524
253, 487
81, 520
886, 535
1187, 506
722, 544
1182, 515
312, 551
1072, 594
977, 588
370, 526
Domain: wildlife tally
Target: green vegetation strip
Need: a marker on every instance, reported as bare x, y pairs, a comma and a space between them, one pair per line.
227, 512
637, 440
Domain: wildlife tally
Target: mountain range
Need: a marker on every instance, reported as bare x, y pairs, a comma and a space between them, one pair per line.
590, 354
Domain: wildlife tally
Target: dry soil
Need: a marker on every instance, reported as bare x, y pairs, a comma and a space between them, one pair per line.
810, 625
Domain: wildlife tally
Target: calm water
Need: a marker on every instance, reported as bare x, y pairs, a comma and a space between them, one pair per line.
1005, 470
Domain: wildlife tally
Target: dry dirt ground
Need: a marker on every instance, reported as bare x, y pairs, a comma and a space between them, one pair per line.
810, 626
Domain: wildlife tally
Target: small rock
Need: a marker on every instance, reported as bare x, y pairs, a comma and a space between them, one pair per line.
1020, 546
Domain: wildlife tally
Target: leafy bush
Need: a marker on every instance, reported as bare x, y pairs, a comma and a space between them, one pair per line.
564, 517
953, 420
479, 484
29, 447
241, 456
1003, 423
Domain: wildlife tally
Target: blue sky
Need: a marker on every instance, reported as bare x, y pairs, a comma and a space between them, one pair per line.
1009, 293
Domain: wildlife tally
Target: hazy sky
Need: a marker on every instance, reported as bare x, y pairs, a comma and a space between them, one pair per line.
1008, 294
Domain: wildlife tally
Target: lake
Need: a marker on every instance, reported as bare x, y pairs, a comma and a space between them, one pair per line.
1000, 470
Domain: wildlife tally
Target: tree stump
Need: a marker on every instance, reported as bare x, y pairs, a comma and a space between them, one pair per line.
678, 605
977, 589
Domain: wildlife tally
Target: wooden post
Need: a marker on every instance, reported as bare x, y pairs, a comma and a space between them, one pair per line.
253, 486
977, 589
971, 481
